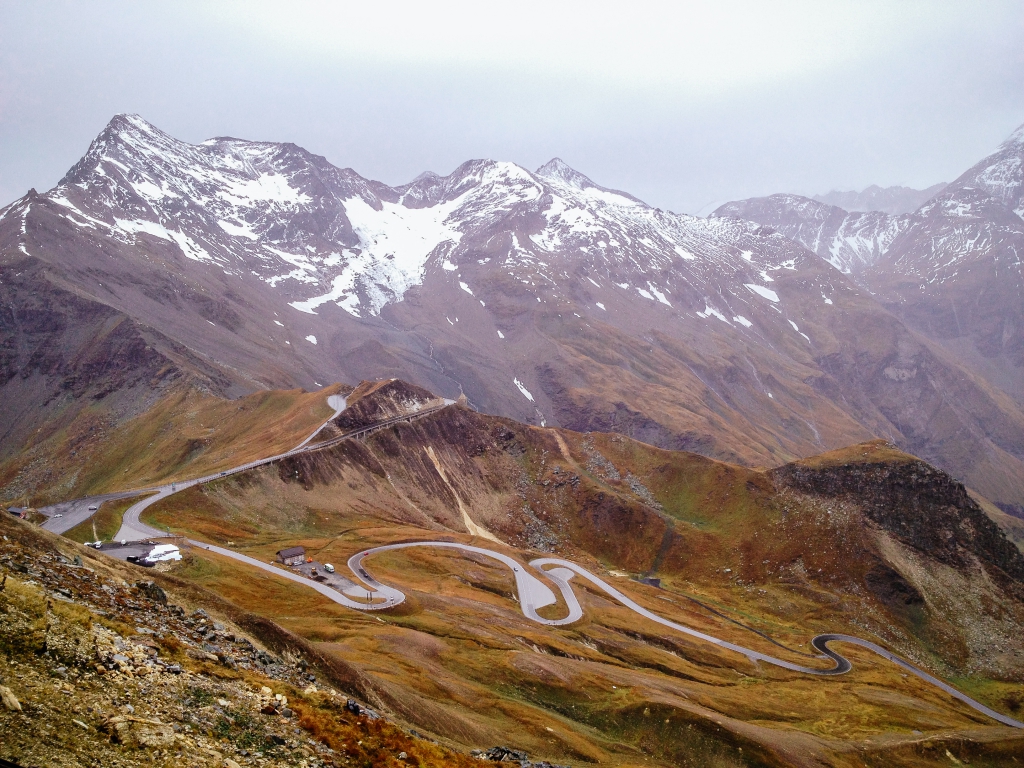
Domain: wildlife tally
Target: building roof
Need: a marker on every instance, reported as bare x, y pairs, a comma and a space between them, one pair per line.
291, 552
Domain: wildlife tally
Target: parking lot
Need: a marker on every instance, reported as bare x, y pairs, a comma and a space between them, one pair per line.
338, 582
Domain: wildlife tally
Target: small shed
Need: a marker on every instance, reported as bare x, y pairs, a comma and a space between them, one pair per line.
292, 555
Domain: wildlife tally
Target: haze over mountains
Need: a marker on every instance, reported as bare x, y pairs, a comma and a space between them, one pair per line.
950, 269
892, 200
778, 328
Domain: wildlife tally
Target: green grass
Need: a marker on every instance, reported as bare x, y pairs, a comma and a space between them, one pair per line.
104, 524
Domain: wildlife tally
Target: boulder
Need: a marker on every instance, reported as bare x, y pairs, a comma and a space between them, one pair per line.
9, 700
136, 732
152, 591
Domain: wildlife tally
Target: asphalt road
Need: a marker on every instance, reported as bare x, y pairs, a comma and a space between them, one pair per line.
534, 594
67, 514
133, 529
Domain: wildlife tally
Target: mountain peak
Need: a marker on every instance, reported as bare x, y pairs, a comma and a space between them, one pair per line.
1016, 139
131, 128
557, 169
894, 200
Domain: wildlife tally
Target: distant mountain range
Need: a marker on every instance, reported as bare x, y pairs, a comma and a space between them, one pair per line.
157, 266
891, 200
950, 269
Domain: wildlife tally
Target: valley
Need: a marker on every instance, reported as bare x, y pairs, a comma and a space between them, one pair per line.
762, 560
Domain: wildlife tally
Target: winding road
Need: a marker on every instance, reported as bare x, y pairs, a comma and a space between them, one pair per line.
133, 529
533, 594
65, 515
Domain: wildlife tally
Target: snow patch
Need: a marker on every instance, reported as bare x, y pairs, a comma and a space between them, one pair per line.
659, 294
742, 321
760, 290
146, 227
709, 311
191, 249
311, 339
797, 329
395, 243
238, 230
339, 287
523, 389
268, 187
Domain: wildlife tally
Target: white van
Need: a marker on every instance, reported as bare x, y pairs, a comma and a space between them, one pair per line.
328, 567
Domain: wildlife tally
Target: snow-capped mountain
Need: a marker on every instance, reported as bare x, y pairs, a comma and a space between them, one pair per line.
322, 236
952, 268
539, 294
891, 200
850, 242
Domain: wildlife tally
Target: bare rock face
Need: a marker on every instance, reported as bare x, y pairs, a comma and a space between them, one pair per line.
375, 401
920, 505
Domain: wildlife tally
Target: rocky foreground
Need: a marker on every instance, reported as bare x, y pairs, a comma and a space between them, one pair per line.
101, 668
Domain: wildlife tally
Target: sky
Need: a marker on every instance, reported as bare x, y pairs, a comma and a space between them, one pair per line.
684, 104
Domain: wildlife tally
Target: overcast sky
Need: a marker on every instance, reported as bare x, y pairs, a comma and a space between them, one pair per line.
681, 104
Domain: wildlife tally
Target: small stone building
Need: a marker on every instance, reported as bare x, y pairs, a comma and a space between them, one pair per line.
292, 555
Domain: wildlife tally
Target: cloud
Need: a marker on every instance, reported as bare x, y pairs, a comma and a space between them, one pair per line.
682, 104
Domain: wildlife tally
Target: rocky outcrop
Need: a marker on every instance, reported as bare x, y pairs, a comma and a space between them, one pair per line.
918, 504
375, 401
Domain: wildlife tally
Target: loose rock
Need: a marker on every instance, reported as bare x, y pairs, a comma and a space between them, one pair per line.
9, 699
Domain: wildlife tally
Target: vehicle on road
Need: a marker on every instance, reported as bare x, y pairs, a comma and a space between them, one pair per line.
93, 507
58, 515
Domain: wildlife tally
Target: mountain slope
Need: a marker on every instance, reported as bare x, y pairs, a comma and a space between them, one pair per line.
541, 296
951, 269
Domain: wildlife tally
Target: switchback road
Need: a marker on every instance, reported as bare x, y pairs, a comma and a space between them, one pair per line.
533, 594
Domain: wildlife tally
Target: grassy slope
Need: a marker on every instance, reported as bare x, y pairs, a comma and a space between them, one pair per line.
460, 660
186, 434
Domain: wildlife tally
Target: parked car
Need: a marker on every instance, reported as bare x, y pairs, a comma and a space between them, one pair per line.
328, 567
